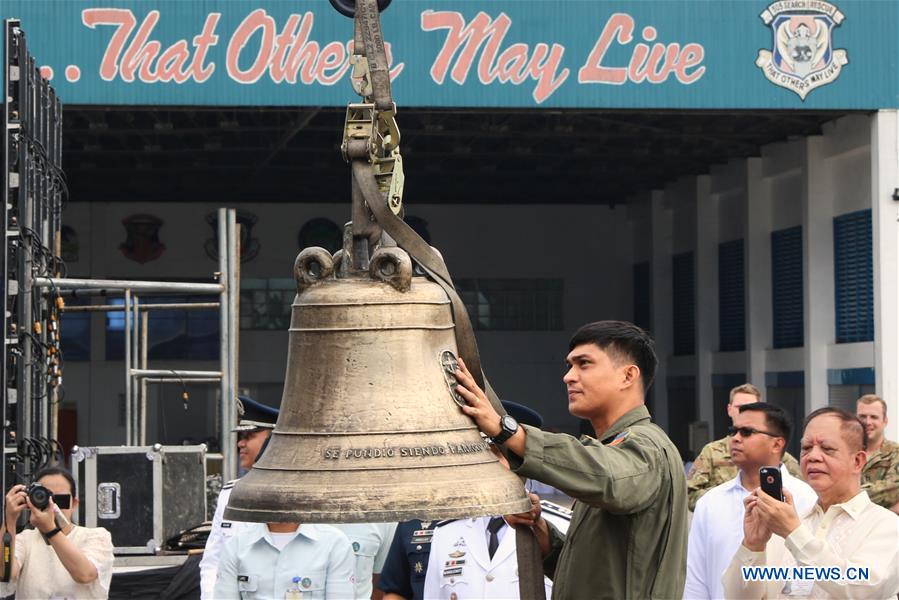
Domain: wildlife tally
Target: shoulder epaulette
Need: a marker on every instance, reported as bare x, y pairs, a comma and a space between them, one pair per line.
556, 509
437, 524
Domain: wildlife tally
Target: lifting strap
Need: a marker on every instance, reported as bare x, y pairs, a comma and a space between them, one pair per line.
369, 43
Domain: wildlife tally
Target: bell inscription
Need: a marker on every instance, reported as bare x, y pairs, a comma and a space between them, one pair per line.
335, 453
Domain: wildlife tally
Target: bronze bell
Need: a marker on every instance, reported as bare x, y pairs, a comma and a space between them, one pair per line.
370, 429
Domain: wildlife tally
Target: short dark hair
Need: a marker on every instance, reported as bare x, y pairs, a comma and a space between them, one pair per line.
621, 340
852, 428
776, 419
57, 470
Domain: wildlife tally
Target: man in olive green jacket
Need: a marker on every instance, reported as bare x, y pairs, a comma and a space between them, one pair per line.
628, 533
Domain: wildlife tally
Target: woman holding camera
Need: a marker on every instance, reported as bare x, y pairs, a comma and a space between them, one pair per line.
56, 559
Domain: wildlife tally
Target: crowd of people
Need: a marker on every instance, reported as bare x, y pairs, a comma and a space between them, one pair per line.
747, 521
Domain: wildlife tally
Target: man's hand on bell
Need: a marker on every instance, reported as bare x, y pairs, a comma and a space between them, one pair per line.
479, 407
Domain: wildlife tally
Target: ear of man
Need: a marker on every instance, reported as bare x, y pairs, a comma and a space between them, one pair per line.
631, 376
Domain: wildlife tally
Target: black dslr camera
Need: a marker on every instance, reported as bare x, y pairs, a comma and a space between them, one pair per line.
39, 495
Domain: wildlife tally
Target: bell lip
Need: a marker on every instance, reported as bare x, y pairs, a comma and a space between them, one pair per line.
246, 515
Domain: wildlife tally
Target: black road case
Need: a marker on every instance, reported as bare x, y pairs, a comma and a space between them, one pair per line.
142, 494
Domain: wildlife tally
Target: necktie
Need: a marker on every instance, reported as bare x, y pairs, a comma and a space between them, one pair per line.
493, 527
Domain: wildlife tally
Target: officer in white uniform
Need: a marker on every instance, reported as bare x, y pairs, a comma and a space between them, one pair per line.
255, 425
460, 566
314, 561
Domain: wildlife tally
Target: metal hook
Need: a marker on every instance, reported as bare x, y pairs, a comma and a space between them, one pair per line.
348, 7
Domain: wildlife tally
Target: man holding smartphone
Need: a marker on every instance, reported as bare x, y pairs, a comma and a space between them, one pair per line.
715, 465
841, 534
759, 437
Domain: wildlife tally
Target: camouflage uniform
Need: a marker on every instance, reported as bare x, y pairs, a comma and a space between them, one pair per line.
880, 477
714, 466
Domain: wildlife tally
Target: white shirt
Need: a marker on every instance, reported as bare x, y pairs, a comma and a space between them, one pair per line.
460, 565
318, 563
371, 543
220, 533
42, 575
856, 533
717, 532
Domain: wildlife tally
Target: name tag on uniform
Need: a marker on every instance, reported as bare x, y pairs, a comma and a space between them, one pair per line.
798, 589
422, 536
226, 524
452, 571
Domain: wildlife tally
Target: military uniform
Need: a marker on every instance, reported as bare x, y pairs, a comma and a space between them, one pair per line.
880, 477
715, 466
222, 530
253, 416
407, 561
628, 534
460, 566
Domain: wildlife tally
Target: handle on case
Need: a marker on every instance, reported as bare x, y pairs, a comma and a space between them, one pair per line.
109, 500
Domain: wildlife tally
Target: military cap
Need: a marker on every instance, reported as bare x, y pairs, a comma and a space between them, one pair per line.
523, 414
254, 415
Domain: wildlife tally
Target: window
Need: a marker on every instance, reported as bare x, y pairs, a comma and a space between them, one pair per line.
513, 304
787, 287
172, 334
265, 304
681, 412
731, 298
75, 333
493, 304
683, 303
853, 274
642, 296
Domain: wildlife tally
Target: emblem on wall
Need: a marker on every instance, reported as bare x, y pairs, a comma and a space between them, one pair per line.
142, 242
802, 57
420, 226
320, 232
68, 244
249, 246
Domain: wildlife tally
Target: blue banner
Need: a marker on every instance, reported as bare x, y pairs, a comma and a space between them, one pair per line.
663, 54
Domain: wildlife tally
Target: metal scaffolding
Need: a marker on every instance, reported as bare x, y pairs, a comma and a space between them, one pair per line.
138, 375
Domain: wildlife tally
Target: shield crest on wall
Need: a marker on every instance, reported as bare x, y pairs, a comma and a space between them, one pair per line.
249, 246
802, 57
142, 242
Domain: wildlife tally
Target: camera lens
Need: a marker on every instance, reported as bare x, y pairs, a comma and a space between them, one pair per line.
770, 479
39, 496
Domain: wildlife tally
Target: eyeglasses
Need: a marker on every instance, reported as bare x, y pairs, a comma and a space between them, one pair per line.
748, 431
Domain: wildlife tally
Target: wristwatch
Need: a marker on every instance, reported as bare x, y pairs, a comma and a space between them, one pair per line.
508, 426
50, 534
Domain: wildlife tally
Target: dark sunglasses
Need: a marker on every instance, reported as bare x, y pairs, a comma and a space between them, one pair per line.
748, 431
245, 435
63, 500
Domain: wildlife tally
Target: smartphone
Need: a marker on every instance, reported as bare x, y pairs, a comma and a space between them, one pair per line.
771, 481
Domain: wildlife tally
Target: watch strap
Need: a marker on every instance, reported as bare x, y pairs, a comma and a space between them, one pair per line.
50, 534
504, 434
